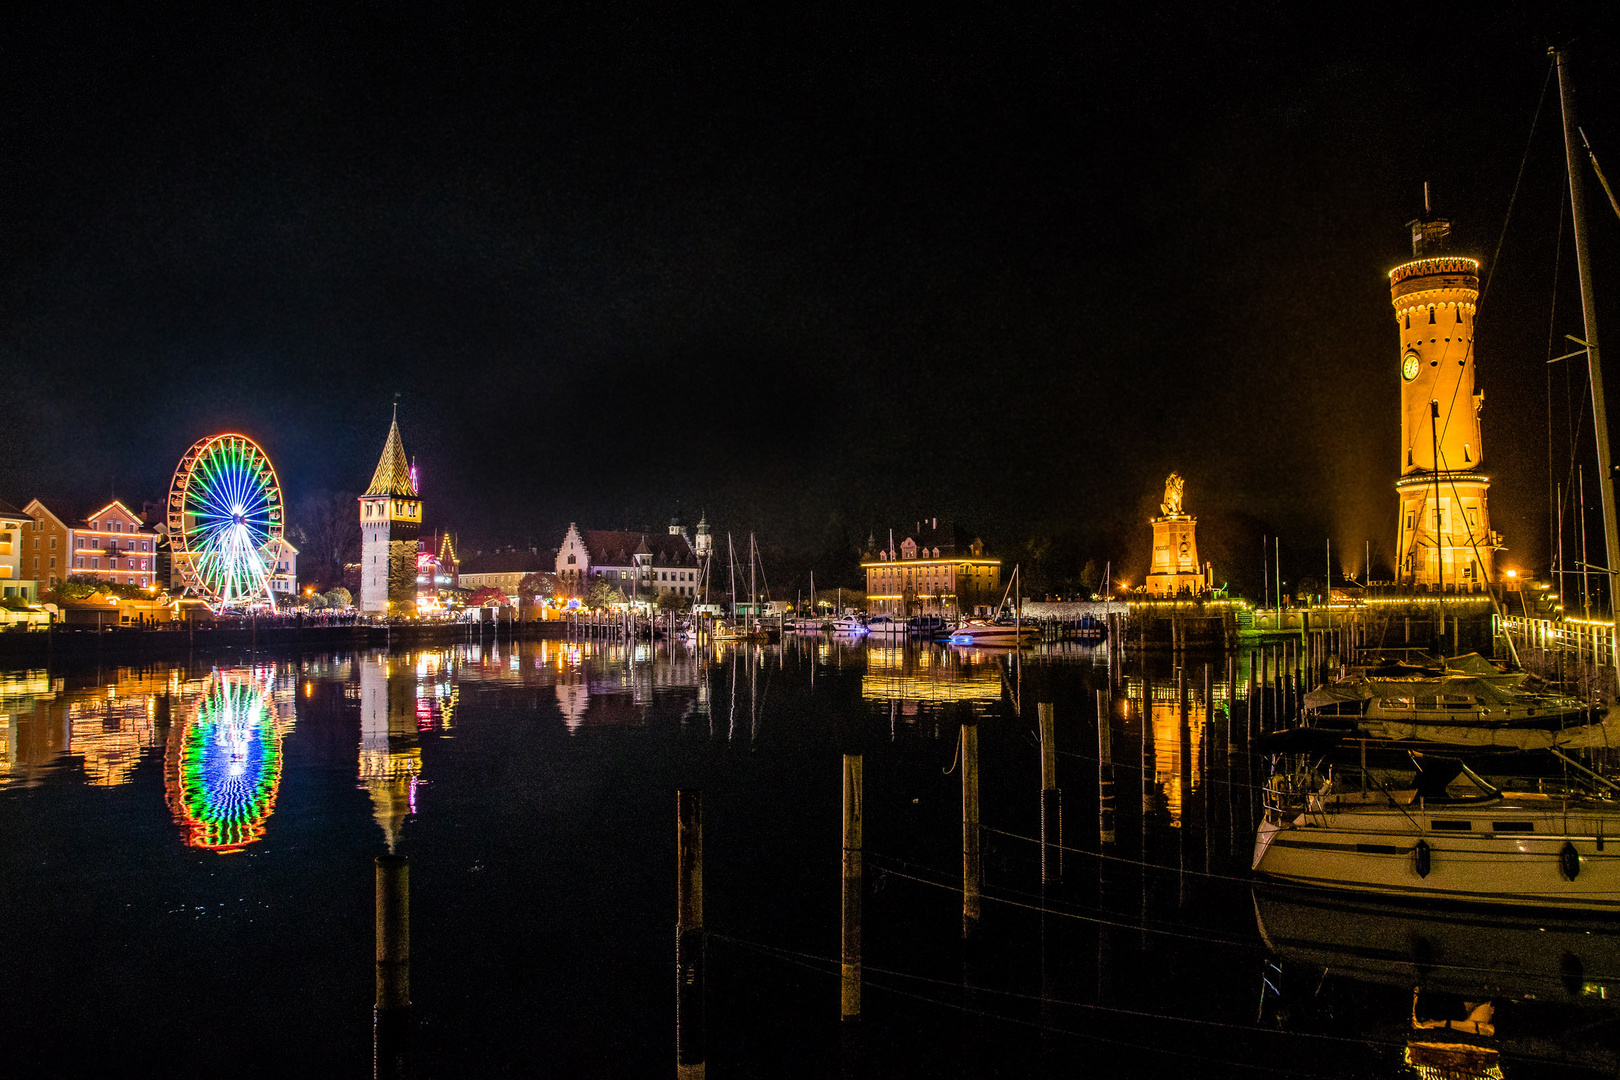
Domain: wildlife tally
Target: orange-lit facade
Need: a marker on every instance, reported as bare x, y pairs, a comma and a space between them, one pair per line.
1444, 538
49, 543
931, 579
113, 545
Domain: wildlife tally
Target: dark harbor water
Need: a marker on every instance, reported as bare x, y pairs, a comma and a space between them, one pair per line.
186, 875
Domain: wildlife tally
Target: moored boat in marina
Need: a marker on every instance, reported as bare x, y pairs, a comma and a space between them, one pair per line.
1450, 835
882, 626
1005, 632
1465, 702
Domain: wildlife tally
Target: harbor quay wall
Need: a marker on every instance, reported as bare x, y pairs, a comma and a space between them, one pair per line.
37, 645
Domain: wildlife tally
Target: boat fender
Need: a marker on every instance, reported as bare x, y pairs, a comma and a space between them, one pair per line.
1421, 858
1569, 861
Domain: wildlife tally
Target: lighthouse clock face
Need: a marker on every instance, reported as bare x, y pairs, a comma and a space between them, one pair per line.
1409, 366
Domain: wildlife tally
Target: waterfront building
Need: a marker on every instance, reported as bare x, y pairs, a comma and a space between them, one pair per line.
282, 559
436, 572
111, 544
50, 545
1175, 569
18, 580
929, 573
390, 521
1444, 538
502, 570
640, 566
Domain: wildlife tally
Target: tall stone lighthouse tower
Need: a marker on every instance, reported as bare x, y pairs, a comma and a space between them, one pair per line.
1444, 531
390, 520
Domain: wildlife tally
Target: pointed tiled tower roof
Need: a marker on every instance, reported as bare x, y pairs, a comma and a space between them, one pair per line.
393, 475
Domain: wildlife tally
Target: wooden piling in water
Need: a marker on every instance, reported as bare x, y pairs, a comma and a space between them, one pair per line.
690, 1051
971, 862
1051, 815
1105, 770
850, 994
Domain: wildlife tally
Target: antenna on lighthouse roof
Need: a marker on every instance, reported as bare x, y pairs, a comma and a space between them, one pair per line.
1425, 206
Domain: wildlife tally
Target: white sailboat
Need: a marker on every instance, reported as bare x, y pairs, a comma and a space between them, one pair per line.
1450, 836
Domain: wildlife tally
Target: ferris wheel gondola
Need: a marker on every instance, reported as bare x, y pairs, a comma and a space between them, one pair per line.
224, 510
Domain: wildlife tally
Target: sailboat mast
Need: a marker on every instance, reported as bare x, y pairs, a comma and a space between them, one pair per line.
731, 561
753, 590
1594, 367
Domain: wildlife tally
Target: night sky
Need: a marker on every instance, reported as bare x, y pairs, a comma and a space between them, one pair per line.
815, 273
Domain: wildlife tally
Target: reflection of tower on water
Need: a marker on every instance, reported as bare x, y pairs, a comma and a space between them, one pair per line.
390, 759
1178, 765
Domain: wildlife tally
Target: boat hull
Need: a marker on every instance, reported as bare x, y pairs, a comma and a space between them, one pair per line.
1379, 854
992, 635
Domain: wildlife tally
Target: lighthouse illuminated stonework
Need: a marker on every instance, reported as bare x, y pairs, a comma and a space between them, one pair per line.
1444, 537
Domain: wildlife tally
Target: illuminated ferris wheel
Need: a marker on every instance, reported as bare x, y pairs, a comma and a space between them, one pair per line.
224, 511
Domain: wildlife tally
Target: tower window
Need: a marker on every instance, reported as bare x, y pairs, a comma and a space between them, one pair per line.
1409, 320
1467, 456
1459, 314
1409, 456
1431, 315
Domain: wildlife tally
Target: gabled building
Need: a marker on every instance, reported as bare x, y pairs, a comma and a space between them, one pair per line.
390, 522
641, 565
111, 543
48, 544
929, 572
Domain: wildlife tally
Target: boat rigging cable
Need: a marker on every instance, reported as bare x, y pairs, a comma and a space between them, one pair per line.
812, 962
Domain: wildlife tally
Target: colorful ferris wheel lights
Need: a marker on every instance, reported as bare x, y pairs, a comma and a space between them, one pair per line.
224, 510
229, 766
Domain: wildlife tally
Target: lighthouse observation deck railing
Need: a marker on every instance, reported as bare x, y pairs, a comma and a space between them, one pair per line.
1425, 267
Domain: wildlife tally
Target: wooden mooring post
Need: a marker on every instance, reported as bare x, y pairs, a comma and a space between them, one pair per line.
850, 994
971, 862
1051, 814
690, 1050
1105, 770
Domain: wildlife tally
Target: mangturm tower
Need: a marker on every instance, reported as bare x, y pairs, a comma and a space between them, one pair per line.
1444, 531
390, 519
